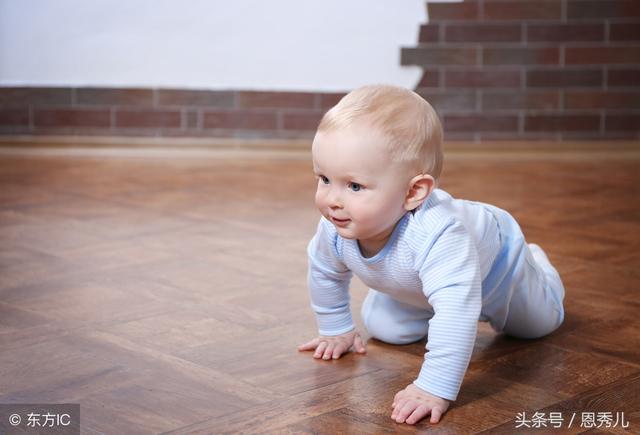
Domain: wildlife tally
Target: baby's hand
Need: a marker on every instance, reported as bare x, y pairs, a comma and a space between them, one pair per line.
335, 346
412, 404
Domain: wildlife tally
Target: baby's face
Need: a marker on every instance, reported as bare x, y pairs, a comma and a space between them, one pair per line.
360, 190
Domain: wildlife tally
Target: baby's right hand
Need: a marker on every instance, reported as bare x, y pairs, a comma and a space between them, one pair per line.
333, 347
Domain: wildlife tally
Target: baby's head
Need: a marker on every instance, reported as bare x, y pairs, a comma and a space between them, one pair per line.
408, 124
377, 154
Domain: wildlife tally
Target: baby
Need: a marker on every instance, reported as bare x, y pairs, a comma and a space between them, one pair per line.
435, 265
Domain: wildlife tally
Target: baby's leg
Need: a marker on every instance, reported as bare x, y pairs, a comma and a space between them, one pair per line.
536, 307
392, 321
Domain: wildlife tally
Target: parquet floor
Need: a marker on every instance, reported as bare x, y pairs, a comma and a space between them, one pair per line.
168, 295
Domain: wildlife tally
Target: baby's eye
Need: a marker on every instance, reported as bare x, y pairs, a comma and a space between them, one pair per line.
324, 179
355, 187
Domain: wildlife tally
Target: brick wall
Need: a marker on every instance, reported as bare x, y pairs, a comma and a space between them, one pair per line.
548, 69
161, 112
493, 69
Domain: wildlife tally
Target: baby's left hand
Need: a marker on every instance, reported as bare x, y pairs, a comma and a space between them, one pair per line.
412, 404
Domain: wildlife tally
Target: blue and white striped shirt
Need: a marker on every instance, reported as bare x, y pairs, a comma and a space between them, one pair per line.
451, 256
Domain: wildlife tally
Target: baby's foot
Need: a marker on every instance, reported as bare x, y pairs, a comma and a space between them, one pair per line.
538, 254
550, 272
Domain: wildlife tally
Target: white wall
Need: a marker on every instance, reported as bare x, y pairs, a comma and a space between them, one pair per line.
323, 45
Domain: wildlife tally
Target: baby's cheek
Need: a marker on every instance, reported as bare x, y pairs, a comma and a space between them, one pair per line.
374, 219
360, 214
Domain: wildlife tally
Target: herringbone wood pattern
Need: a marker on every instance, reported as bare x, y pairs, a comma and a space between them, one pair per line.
169, 295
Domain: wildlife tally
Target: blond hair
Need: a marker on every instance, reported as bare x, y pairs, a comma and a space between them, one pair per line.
410, 124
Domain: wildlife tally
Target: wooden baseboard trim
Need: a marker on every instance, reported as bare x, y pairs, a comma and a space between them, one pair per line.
151, 142
295, 148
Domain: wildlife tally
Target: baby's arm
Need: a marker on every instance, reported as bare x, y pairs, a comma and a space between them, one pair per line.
328, 281
451, 281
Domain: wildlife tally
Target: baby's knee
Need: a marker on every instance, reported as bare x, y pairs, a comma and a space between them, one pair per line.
391, 336
384, 328
538, 329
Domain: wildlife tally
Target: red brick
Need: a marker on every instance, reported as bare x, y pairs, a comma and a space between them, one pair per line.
191, 119
174, 132
521, 56
622, 122
450, 100
564, 78
467, 11
292, 100
603, 9
532, 100
187, 97
602, 100
623, 77
302, 120
240, 119
624, 31
593, 135
602, 54
14, 117
480, 123
148, 119
557, 32
529, 137
114, 96
12, 130
438, 56
519, 10
461, 136
72, 118
429, 79
483, 33
621, 134
328, 100
429, 33
483, 79
11, 96
129, 132
561, 122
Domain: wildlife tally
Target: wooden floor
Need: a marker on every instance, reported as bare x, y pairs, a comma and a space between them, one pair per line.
169, 295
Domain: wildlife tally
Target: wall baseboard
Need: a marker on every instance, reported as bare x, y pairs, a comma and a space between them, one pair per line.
174, 144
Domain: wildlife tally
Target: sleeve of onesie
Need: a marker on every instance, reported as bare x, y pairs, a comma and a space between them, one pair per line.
328, 279
451, 281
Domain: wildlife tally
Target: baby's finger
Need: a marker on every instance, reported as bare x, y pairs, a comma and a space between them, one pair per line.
320, 349
328, 351
310, 345
398, 406
397, 397
338, 350
405, 411
359, 345
417, 414
436, 413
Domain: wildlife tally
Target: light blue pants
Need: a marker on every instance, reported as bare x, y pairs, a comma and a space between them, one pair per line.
535, 308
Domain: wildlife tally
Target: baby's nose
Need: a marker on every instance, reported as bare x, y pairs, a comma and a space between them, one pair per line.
335, 204
335, 199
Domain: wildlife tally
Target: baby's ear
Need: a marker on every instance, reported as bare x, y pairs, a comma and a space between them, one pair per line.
420, 187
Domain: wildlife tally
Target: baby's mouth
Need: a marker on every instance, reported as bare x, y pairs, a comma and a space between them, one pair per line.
339, 222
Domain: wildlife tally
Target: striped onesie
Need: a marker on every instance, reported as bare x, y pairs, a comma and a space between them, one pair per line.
447, 265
